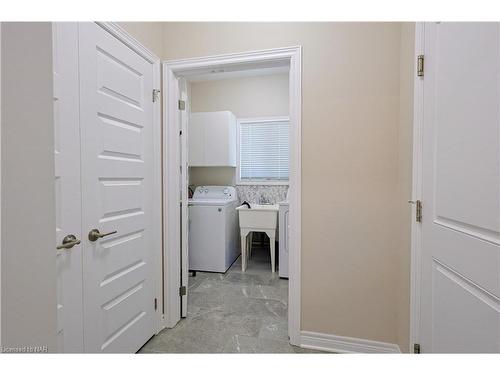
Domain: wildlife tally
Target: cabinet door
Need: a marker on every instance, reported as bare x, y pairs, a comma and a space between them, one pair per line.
196, 139
216, 139
220, 140
232, 134
212, 139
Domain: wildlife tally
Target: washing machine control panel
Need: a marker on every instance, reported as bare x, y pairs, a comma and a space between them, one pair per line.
215, 192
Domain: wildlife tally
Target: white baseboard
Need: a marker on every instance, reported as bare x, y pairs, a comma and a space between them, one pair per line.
343, 344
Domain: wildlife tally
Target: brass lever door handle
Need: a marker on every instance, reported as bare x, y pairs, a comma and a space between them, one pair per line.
68, 242
94, 234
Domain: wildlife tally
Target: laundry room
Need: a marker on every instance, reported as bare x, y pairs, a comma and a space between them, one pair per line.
235, 129
239, 121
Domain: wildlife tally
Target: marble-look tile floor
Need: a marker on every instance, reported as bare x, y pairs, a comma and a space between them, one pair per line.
233, 312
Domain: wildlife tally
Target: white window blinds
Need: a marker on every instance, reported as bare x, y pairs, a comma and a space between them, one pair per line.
264, 151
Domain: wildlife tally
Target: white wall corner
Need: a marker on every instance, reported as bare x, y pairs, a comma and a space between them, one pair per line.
28, 268
343, 344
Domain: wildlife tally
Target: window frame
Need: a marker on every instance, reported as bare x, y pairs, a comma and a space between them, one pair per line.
249, 120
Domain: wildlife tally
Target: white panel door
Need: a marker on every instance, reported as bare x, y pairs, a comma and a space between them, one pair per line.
67, 184
118, 192
461, 189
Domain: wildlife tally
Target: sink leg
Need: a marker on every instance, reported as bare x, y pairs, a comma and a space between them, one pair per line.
273, 254
272, 249
249, 246
244, 250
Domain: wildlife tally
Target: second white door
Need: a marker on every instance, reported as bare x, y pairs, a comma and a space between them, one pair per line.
461, 195
116, 121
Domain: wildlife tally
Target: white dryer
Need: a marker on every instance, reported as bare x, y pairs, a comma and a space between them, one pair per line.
213, 229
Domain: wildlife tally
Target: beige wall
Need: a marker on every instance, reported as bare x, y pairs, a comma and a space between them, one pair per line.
351, 250
245, 97
149, 34
356, 176
28, 266
406, 77
212, 176
357, 104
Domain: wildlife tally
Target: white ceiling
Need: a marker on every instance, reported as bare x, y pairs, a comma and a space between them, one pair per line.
237, 71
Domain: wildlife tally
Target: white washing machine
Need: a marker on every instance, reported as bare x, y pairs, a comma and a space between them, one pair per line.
213, 229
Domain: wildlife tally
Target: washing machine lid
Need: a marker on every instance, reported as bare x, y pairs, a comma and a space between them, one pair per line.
208, 202
213, 195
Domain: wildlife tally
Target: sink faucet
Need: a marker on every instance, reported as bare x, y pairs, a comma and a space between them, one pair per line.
263, 200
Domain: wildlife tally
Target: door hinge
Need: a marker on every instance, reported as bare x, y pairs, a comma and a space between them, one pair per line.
156, 95
418, 210
182, 105
182, 291
420, 65
416, 348
156, 304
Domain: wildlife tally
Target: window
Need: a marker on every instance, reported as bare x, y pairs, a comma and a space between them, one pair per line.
263, 151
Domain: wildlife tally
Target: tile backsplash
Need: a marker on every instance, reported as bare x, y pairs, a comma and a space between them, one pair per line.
252, 193
225, 176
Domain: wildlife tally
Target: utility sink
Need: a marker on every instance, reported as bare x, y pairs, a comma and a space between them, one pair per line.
261, 216
257, 218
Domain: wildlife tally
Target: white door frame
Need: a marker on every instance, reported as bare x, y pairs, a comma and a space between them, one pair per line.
417, 188
174, 69
0, 184
127, 39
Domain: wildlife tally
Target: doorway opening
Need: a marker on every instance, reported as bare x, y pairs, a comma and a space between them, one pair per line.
190, 171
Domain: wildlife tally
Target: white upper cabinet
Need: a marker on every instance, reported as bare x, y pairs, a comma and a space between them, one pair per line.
212, 139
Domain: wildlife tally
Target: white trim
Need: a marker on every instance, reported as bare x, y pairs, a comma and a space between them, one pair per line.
248, 120
0, 184
127, 39
122, 35
343, 344
171, 209
245, 120
416, 228
171, 71
157, 210
277, 70
269, 55
295, 196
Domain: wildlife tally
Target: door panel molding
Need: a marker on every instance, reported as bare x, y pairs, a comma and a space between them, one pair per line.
464, 282
469, 230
